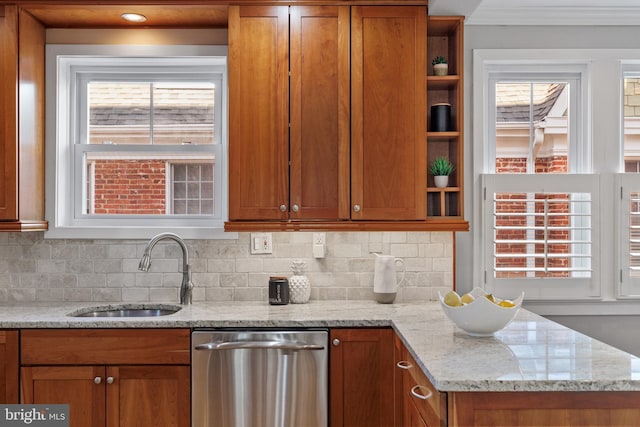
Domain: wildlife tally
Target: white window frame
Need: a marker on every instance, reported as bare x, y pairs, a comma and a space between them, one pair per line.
66, 65
490, 66
603, 130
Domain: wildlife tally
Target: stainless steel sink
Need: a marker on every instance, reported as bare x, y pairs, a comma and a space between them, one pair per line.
127, 311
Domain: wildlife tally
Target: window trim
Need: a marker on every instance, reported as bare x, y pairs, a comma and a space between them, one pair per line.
603, 115
59, 205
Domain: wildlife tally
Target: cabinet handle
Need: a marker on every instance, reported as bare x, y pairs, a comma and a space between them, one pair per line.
414, 392
97, 380
283, 208
403, 364
295, 208
356, 208
109, 380
336, 342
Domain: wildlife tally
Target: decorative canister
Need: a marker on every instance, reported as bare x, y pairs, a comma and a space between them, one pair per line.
440, 117
278, 290
299, 284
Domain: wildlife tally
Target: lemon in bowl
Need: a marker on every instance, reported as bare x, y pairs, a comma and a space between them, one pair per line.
478, 313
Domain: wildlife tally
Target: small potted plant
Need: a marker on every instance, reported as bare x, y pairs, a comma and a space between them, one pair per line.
440, 66
441, 168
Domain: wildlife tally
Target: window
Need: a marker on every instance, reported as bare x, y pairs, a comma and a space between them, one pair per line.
629, 183
539, 212
139, 141
595, 239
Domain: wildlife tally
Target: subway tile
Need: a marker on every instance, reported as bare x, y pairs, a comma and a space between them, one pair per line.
223, 270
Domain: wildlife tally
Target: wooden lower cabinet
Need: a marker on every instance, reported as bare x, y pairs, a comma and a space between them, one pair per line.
142, 379
9, 366
72, 385
545, 409
426, 406
422, 404
361, 378
113, 395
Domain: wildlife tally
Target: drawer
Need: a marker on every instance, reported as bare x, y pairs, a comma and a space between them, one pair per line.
104, 346
432, 404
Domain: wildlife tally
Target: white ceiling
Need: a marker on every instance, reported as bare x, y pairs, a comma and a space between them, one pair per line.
541, 12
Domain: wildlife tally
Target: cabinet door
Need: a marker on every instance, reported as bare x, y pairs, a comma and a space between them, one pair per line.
8, 111
319, 108
22, 40
258, 112
413, 417
148, 395
81, 387
361, 377
388, 119
8, 366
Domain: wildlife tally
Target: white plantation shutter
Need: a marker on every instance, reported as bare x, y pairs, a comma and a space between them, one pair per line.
629, 235
542, 234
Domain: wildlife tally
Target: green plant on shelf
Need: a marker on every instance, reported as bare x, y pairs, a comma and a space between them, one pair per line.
439, 60
441, 166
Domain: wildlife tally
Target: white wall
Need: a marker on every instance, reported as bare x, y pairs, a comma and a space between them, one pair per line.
618, 331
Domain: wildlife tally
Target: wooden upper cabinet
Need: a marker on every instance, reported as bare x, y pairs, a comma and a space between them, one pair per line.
258, 112
319, 108
289, 112
388, 119
22, 40
8, 111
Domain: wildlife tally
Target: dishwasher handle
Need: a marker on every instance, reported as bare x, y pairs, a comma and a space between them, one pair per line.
275, 345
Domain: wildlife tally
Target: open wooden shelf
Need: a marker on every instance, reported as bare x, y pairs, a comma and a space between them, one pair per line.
445, 38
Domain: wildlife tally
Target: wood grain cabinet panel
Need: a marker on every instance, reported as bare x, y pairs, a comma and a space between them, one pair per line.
9, 366
388, 120
289, 112
22, 40
157, 396
357, 97
545, 409
361, 377
143, 378
258, 112
319, 112
72, 385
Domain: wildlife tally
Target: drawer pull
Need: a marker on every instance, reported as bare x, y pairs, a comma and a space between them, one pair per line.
109, 380
414, 392
403, 364
97, 380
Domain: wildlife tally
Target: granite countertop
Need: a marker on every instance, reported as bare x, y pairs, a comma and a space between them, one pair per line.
531, 354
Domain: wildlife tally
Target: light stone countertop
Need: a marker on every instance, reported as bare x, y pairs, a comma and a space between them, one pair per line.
530, 354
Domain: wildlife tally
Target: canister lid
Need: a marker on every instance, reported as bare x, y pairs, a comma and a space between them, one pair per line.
441, 103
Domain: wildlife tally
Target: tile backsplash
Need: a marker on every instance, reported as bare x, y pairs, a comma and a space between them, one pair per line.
36, 269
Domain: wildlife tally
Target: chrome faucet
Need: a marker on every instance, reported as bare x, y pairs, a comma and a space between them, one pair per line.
186, 288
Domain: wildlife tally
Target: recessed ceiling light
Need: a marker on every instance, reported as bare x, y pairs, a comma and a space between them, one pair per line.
133, 17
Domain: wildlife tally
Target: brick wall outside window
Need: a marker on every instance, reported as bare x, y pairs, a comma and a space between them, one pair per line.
132, 187
553, 164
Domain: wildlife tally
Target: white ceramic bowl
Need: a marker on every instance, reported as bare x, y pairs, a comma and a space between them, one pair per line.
481, 317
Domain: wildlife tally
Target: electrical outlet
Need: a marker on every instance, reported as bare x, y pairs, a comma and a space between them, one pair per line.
261, 243
319, 238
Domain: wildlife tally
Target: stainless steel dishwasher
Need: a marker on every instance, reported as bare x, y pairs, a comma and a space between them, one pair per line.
259, 378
